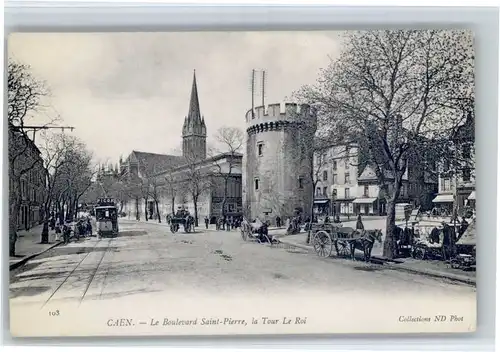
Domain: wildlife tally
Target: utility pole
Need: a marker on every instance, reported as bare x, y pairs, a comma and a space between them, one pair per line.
263, 87
253, 92
35, 129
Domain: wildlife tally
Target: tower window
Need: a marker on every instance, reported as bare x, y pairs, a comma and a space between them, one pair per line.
301, 183
256, 184
260, 148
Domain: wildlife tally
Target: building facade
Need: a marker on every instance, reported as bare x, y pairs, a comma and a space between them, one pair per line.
457, 175
278, 160
346, 185
337, 179
28, 167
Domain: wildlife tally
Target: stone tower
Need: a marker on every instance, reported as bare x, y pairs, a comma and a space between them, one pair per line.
194, 131
277, 164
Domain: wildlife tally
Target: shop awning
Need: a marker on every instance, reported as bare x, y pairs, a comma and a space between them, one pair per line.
321, 201
469, 237
364, 200
472, 195
443, 198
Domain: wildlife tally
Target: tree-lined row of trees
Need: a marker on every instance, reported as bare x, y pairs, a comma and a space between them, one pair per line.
183, 178
397, 93
55, 173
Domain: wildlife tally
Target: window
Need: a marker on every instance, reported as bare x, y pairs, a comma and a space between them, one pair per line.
445, 185
325, 175
366, 191
466, 151
23, 188
446, 165
256, 183
301, 183
466, 175
334, 165
318, 191
347, 178
260, 148
230, 207
334, 178
346, 193
334, 194
325, 191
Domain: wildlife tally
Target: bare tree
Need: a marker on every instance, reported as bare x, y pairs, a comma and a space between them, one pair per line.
388, 90
197, 180
230, 141
59, 151
25, 93
171, 188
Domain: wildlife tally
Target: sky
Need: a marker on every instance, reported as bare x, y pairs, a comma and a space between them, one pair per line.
131, 91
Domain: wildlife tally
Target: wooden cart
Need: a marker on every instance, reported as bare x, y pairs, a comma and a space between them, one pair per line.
327, 236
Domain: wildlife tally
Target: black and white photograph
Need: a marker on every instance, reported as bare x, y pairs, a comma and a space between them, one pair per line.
241, 183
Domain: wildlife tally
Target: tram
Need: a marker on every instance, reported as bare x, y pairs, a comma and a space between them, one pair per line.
106, 214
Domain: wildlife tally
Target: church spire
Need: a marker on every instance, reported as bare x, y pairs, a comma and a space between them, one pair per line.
194, 104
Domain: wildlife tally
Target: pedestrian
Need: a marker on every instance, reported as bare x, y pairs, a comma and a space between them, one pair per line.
58, 231
463, 226
228, 224
66, 233
206, 222
278, 221
359, 223
89, 227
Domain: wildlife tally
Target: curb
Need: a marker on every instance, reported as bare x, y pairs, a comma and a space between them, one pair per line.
29, 257
402, 267
433, 273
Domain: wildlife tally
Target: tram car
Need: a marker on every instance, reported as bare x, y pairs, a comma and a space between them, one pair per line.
106, 214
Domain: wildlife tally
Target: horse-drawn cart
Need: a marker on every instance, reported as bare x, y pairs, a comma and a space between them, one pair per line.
345, 240
256, 231
186, 221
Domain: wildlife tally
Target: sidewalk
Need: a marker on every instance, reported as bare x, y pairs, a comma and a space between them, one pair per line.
28, 245
432, 268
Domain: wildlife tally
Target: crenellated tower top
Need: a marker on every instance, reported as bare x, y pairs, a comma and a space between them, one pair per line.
277, 116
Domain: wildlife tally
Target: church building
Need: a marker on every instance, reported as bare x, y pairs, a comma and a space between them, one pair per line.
163, 182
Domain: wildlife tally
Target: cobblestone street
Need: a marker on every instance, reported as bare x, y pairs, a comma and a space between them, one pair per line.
147, 258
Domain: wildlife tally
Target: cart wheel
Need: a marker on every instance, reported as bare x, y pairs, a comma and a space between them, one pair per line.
418, 253
267, 240
173, 228
342, 248
322, 244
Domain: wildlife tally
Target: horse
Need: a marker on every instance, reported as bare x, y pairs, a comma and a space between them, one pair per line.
365, 243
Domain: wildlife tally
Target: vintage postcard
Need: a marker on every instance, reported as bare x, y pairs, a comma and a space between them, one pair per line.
232, 183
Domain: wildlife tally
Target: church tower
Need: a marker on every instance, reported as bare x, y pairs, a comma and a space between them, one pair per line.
194, 131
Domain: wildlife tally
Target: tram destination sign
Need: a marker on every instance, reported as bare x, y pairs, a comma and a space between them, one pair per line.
105, 201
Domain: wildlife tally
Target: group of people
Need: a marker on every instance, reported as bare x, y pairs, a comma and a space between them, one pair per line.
224, 223
81, 228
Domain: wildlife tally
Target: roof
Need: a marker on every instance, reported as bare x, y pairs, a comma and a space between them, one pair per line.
159, 162
369, 174
184, 164
22, 134
469, 236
